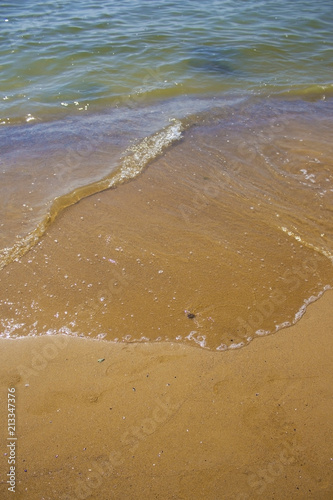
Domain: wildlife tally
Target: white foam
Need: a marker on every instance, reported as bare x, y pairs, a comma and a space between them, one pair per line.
9, 328
302, 310
200, 339
222, 347
262, 332
137, 157
236, 346
327, 253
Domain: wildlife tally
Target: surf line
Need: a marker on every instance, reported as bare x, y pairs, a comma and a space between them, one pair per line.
135, 160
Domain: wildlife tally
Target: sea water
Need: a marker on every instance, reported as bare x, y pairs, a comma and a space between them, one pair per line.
92, 93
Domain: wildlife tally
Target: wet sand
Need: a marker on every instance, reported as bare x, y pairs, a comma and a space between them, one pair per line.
186, 255
172, 421
203, 231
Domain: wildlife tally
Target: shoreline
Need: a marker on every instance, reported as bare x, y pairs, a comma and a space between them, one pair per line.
166, 279
167, 420
189, 252
181, 253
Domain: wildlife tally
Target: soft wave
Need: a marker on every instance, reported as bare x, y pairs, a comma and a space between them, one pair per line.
134, 160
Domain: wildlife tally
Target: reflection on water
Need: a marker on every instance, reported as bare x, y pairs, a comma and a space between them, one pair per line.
60, 58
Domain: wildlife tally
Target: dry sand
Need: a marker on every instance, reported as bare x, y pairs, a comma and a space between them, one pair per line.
163, 421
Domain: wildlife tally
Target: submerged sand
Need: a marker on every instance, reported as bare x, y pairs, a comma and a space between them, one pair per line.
172, 421
202, 249
239, 239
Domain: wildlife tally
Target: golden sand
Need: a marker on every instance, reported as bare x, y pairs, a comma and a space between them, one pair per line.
180, 259
171, 421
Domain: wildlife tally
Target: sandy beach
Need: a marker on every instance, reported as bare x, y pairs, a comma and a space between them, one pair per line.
188, 236
98, 420
168, 261
166, 251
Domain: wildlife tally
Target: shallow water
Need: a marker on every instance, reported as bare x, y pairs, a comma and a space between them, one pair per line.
60, 59
222, 116
230, 224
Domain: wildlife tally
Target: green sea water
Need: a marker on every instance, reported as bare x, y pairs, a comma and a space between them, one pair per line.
80, 56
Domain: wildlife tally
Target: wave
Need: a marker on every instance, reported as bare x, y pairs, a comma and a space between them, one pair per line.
134, 161
286, 324
325, 252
